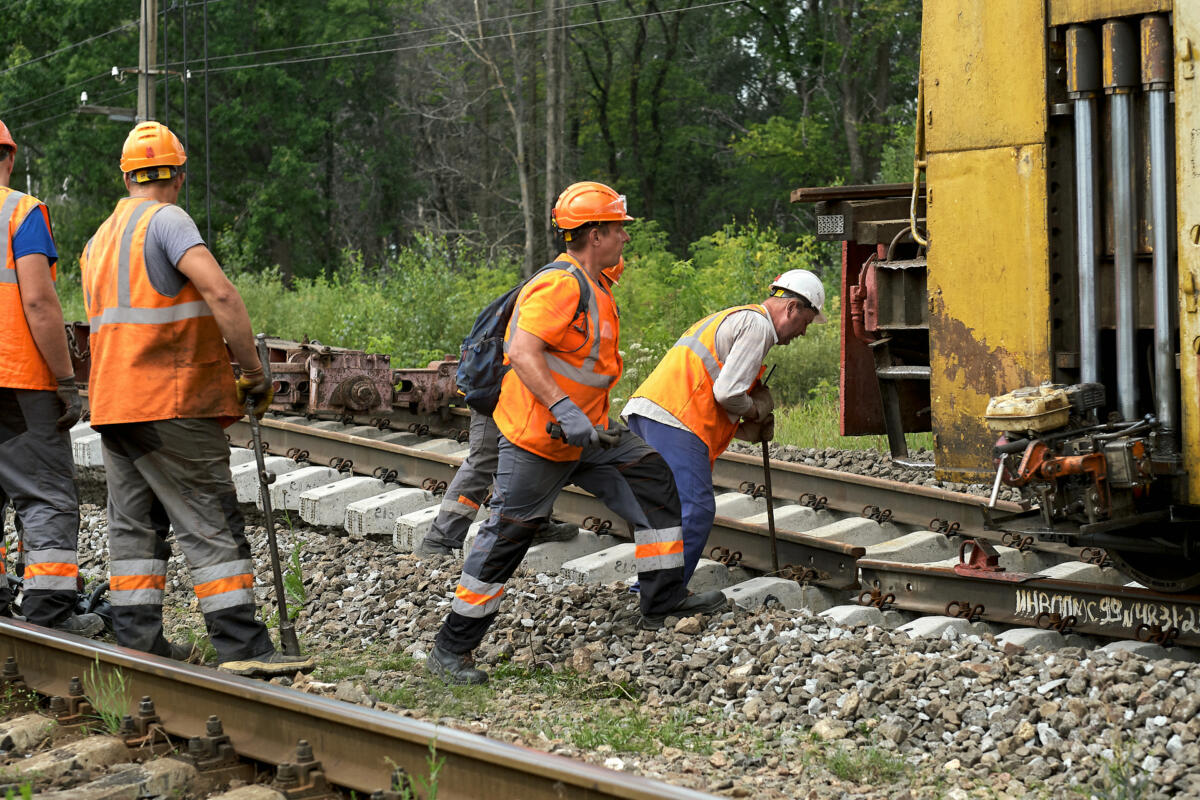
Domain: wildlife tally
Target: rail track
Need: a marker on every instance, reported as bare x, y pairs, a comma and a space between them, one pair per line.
855, 538
348, 747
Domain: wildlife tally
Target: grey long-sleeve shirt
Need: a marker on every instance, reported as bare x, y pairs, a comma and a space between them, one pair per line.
742, 342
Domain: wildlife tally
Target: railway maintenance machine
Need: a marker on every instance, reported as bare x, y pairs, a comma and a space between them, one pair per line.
1035, 299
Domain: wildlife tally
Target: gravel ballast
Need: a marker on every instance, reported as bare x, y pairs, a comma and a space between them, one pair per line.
770, 704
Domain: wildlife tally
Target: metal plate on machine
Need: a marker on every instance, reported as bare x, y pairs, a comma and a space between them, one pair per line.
1063, 12
830, 224
1187, 200
988, 280
985, 75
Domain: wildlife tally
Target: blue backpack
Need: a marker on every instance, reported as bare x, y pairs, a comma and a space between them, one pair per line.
481, 367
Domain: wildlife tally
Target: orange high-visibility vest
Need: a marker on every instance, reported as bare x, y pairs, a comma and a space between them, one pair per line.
682, 383
21, 363
153, 357
585, 361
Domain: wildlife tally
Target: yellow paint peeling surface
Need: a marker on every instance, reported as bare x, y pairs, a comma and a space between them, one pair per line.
985, 73
1187, 171
989, 293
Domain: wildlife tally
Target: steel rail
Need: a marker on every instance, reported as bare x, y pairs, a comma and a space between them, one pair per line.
358, 747
1118, 612
910, 504
832, 562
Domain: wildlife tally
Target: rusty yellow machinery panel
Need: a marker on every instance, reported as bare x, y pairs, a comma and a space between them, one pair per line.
1064, 12
1187, 171
985, 122
989, 293
985, 74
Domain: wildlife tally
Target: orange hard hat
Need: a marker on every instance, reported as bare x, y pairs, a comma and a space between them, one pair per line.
588, 201
151, 144
6, 138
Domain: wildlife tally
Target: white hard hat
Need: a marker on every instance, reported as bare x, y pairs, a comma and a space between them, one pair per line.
804, 283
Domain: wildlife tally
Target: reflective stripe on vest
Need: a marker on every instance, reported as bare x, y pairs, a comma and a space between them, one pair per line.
682, 383
124, 311
22, 365
586, 373
153, 356
6, 214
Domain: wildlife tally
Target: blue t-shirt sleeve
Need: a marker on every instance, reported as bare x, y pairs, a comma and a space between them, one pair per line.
34, 236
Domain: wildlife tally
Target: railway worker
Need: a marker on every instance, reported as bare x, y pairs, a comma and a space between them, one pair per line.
38, 403
161, 390
472, 481
689, 407
563, 368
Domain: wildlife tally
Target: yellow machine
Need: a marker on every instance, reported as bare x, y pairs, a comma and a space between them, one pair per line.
1052, 257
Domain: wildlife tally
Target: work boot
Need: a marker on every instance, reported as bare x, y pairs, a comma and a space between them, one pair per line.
431, 548
702, 603
555, 531
269, 665
454, 667
88, 625
185, 651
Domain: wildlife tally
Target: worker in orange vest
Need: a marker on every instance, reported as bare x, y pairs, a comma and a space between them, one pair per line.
38, 403
553, 419
161, 391
690, 406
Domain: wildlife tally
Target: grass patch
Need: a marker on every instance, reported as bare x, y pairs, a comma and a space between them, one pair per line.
815, 423
564, 683
868, 765
411, 787
109, 695
628, 730
332, 668
1121, 777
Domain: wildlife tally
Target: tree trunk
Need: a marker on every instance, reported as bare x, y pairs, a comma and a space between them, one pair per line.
553, 119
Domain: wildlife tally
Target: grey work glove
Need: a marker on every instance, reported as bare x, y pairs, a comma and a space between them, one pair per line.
757, 430
764, 403
610, 437
577, 428
68, 395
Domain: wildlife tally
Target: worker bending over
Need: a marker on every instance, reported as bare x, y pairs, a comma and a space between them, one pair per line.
161, 391
38, 403
563, 368
689, 407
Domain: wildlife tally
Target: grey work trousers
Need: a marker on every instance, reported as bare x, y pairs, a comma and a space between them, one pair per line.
631, 479
470, 485
178, 470
37, 473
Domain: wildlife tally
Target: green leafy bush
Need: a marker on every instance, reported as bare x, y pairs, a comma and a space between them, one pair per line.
661, 296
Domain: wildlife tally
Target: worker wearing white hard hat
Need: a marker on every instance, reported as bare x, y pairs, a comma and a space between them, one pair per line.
706, 390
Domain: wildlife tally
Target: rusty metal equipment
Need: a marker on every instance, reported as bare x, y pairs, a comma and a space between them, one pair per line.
353, 748
884, 383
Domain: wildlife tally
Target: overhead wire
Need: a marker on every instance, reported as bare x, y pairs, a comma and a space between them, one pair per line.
41, 100
395, 34
100, 101
465, 40
71, 46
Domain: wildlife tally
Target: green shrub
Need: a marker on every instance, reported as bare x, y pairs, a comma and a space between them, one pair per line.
661, 296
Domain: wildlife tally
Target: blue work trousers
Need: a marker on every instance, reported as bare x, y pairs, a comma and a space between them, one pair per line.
687, 456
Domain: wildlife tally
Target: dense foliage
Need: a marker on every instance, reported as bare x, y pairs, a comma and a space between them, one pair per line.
363, 124
372, 173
